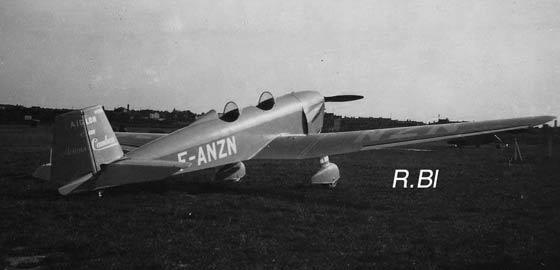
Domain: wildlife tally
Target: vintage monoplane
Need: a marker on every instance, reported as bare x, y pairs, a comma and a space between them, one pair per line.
88, 155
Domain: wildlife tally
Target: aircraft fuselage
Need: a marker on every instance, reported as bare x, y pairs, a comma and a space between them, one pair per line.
212, 141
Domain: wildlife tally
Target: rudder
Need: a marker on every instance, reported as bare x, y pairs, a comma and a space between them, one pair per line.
83, 141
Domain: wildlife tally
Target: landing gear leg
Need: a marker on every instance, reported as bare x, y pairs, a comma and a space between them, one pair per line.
231, 172
327, 175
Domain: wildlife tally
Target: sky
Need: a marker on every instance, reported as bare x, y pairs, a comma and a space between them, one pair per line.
466, 60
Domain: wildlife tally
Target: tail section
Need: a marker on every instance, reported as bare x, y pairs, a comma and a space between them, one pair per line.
83, 141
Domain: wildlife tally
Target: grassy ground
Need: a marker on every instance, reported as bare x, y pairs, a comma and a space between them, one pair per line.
482, 215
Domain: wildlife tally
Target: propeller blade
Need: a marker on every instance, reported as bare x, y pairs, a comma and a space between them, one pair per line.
343, 98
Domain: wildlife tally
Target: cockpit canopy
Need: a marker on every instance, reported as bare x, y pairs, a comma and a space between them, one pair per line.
231, 112
266, 101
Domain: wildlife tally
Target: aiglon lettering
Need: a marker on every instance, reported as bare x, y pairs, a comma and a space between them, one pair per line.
80, 122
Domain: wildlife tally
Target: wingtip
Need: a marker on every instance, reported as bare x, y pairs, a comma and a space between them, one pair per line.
544, 119
549, 118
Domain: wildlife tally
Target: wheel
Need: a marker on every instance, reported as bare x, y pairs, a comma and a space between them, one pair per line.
333, 184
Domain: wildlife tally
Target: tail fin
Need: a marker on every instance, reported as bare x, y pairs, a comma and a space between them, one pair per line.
83, 140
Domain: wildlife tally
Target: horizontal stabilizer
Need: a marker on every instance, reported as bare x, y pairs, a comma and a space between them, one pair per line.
72, 186
128, 171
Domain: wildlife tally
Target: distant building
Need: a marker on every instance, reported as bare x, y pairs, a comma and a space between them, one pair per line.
27, 117
119, 110
154, 116
6, 106
336, 123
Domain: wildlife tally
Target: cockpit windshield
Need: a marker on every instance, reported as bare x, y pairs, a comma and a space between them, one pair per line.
231, 112
266, 101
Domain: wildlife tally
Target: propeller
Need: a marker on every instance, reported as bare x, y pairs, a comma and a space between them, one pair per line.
343, 98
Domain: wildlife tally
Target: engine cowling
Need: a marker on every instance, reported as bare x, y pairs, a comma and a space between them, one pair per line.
231, 172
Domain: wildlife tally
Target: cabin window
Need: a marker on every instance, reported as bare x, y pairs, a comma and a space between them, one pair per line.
231, 112
266, 101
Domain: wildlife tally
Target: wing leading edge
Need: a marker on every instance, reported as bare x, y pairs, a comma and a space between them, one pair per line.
318, 145
132, 140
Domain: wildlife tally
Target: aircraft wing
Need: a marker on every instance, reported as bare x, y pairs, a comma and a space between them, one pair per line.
322, 144
132, 140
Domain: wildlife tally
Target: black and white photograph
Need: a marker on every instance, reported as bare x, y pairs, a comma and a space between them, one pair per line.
265, 134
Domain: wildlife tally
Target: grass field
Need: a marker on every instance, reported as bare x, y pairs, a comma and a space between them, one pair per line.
484, 214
